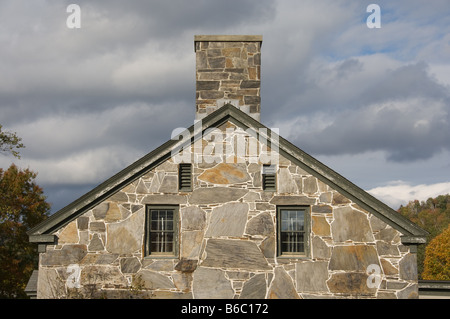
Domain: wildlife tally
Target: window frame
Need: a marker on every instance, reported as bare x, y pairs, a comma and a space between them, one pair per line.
307, 232
147, 232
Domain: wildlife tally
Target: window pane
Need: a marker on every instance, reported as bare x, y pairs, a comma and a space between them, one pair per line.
292, 227
161, 232
168, 241
292, 220
155, 242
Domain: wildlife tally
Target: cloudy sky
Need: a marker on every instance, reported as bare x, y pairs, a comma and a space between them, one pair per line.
371, 103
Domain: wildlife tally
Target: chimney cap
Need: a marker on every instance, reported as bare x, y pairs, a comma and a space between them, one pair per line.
227, 38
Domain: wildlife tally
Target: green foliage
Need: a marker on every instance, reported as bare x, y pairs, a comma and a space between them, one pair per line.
433, 215
10, 142
22, 205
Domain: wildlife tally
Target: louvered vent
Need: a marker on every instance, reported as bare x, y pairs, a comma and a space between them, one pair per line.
269, 177
185, 177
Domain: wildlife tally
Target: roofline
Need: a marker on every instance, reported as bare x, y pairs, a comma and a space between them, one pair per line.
117, 181
413, 234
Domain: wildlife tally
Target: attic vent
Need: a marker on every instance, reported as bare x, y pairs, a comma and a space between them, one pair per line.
269, 177
185, 177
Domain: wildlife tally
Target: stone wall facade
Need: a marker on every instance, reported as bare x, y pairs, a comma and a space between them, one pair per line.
227, 240
228, 70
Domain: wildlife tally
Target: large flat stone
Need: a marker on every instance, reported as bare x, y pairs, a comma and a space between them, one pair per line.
226, 253
225, 173
169, 184
186, 265
69, 234
292, 200
99, 259
310, 185
50, 285
350, 224
282, 286
212, 195
102, 275
320, 226
356, 258
320, 249
119, 197
228, 220
125, 237
261, 224
191, 242
96, 244
388, 268
387, 249
408, 267
113, 214
254, 288
100, 210
411, 292
286, 183
268, 247
153, 280
209, 85
193, 218
350, 283
211, 284
322, 209
69, 254
312, 276
130, 265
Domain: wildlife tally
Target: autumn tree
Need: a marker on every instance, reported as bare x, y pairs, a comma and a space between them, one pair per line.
22, 206
437, 257
433, 215
10, 143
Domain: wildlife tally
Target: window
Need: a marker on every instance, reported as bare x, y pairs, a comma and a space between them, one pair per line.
269, 177
293, 231
185, 177
161, 231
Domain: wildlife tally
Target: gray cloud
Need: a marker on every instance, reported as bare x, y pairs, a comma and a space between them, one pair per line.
115, 89
134, 51
404, 112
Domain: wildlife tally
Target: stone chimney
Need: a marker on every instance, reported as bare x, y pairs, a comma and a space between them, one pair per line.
228, 70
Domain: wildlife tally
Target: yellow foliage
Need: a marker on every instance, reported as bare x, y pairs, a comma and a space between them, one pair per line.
437, 257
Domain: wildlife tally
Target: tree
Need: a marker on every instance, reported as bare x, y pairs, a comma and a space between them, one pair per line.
22, 205
10, 142
433, 215
437, 257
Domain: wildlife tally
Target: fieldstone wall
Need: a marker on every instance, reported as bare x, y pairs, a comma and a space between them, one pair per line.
228, 70
228, 241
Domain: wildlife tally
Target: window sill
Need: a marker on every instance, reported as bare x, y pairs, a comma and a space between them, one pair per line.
161, 257
293, 257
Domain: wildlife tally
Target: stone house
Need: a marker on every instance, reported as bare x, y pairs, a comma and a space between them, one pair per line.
227, 209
